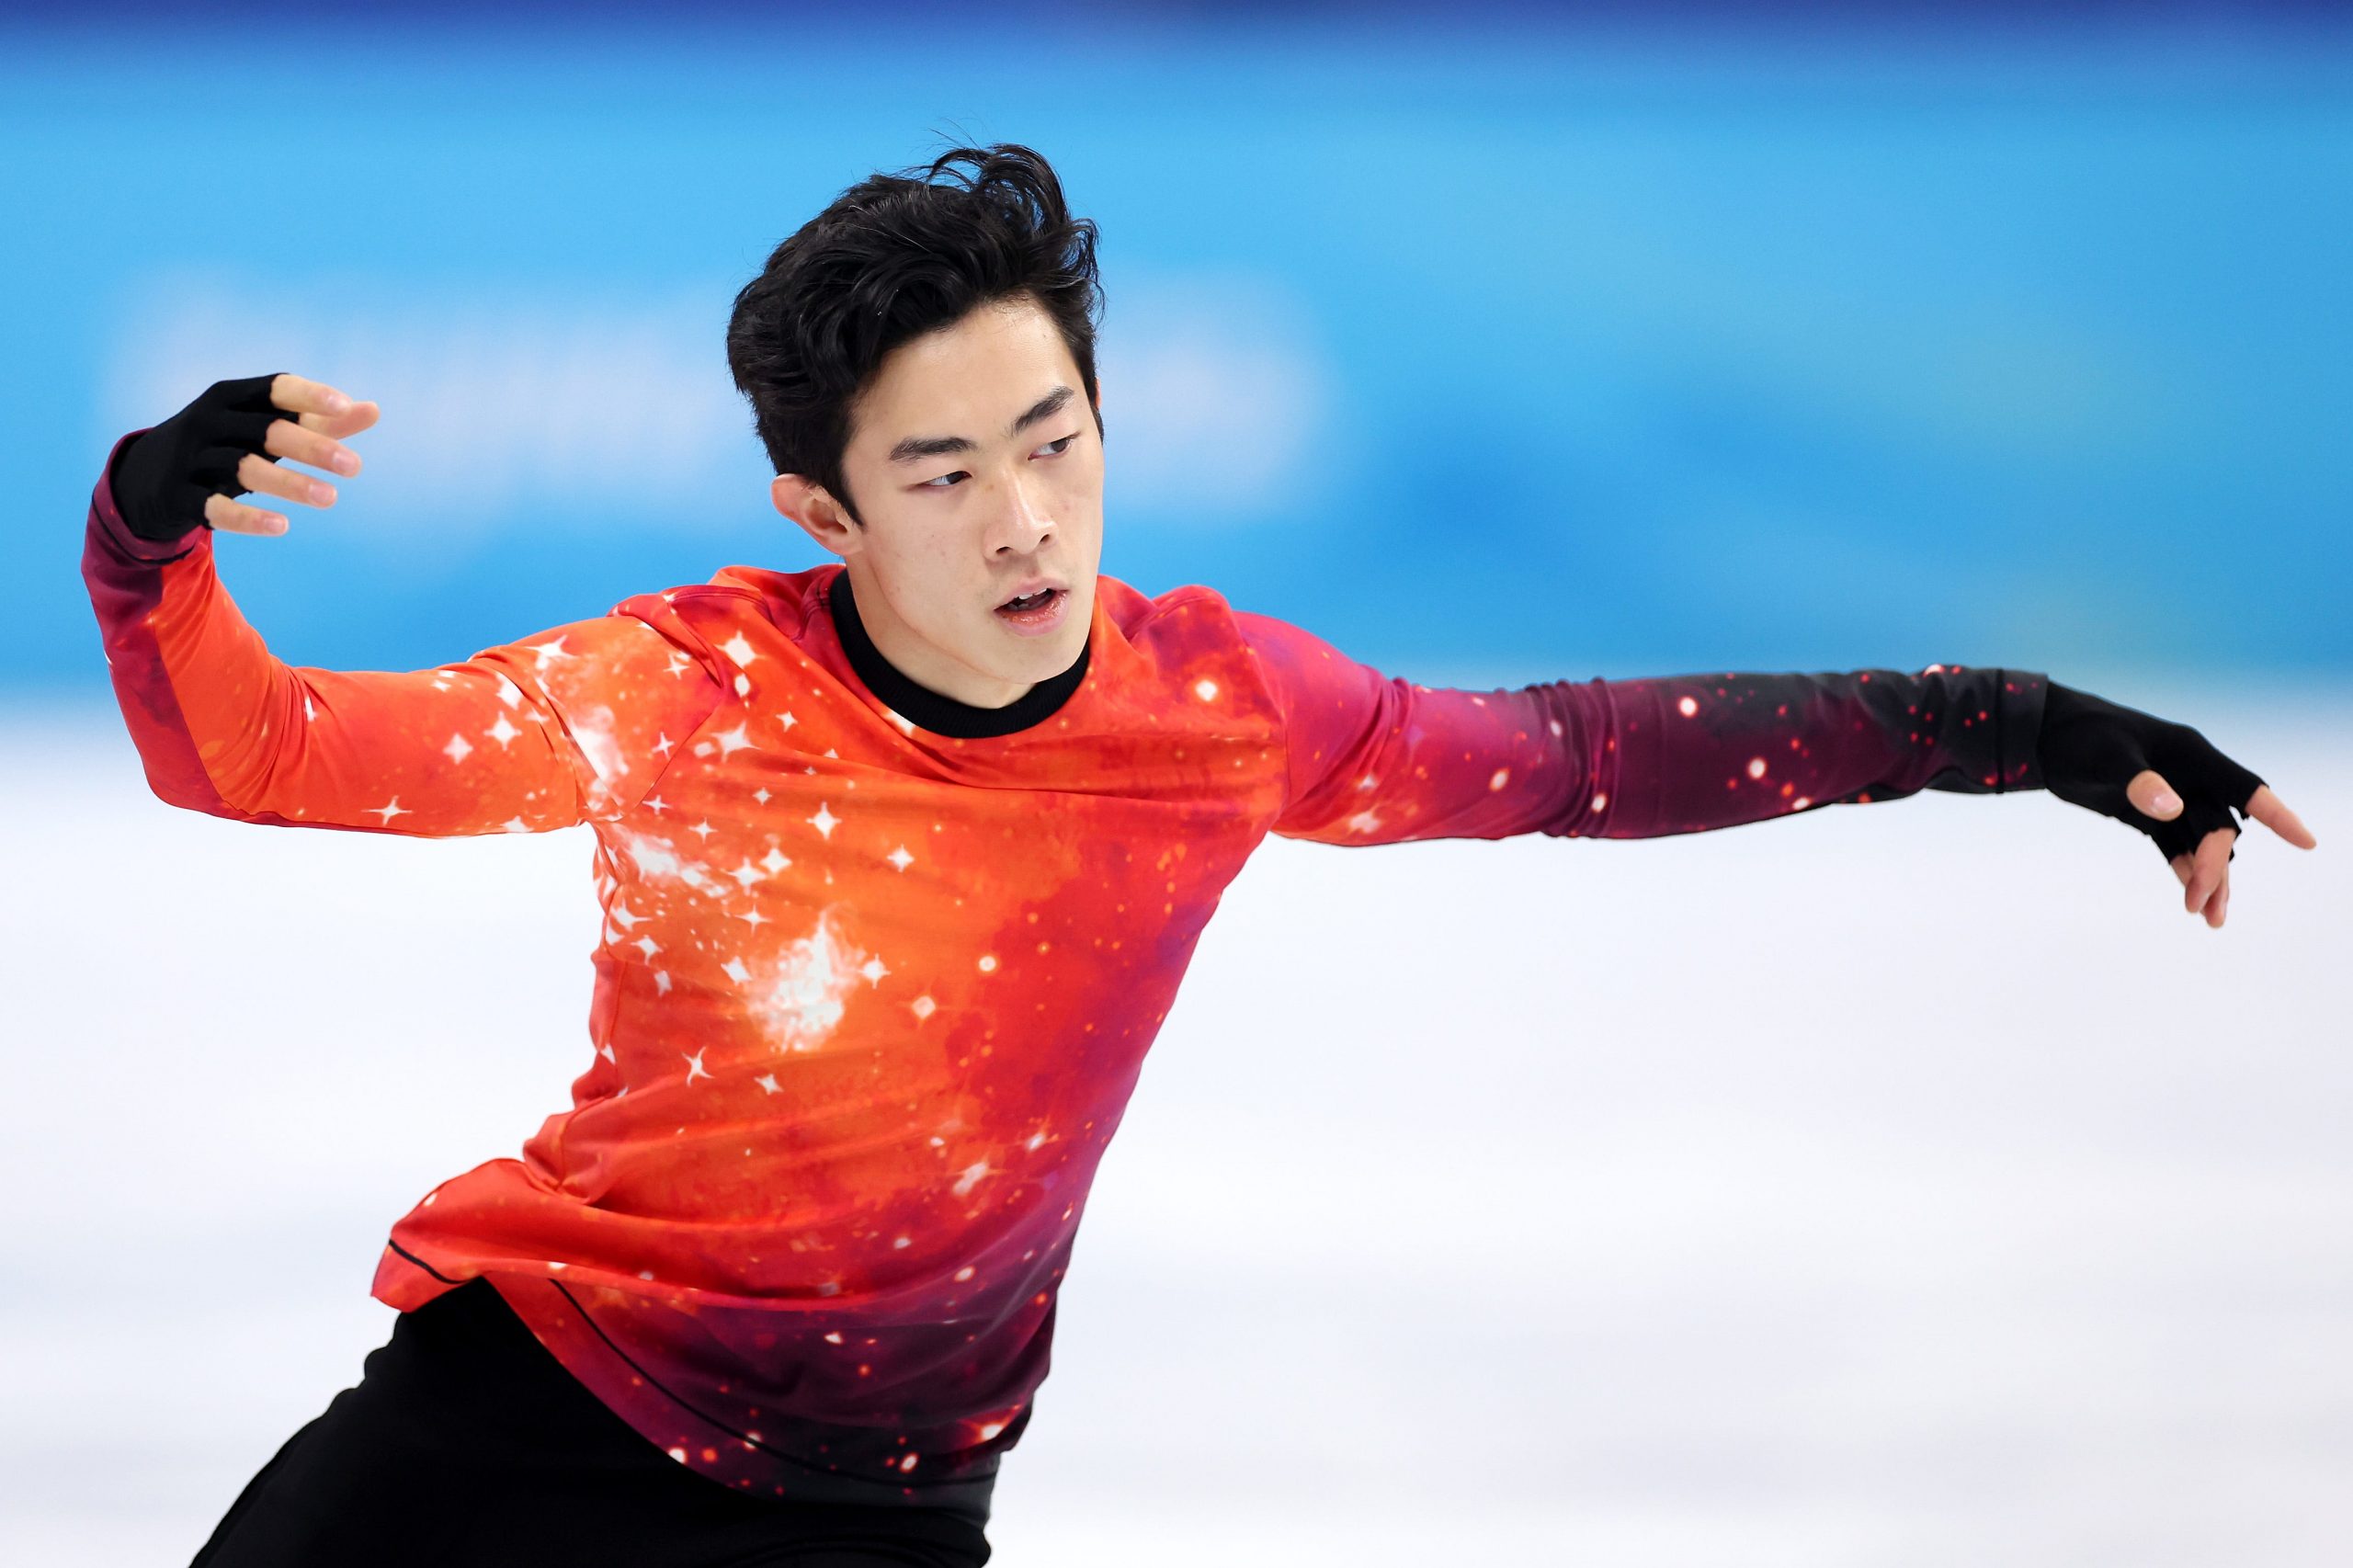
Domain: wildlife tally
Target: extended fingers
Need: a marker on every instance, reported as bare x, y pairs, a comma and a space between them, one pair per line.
318, 408
359, 417
2272, 813
286, 439
2209, 871
234, 517
257, 472
316, 416
304, 396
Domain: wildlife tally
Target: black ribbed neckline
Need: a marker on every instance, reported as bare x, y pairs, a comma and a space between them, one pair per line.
922, 706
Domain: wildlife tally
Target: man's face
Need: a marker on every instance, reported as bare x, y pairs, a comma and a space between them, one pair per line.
963, 511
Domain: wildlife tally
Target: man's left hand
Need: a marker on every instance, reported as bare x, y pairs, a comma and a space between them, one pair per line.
2126, 764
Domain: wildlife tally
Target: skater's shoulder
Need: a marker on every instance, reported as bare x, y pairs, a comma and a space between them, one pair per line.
1133, 611
787, 601
1196, 619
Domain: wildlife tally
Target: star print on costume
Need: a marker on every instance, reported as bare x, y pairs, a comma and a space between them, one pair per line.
877, 971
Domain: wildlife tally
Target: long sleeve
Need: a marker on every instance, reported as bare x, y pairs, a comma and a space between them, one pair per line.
1375, 759
576, 723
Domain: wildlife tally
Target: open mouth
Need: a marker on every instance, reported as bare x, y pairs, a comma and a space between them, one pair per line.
1031, 603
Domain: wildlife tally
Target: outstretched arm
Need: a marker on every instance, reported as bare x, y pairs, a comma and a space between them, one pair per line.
1377, 759
572, 724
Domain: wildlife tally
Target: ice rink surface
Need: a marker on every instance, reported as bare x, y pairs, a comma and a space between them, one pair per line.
1910, 1183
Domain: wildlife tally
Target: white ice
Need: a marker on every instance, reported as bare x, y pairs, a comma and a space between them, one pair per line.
1909, 1183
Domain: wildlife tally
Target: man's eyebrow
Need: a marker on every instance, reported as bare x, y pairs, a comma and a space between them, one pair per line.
916, 448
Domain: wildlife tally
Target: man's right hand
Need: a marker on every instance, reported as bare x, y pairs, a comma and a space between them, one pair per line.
188, 470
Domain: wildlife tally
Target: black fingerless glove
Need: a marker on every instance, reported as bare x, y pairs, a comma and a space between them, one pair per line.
161, 480
2091, 748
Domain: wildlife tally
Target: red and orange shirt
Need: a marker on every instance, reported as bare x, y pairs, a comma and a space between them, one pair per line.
878, 970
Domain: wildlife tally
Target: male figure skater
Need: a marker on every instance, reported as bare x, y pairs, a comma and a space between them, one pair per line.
901, 859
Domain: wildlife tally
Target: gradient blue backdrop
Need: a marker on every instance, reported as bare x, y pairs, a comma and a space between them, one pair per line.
1504, 352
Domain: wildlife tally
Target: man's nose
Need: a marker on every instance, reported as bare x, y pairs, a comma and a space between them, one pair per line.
1024, 523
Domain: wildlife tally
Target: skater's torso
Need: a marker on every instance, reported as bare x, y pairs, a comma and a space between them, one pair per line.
873, 989
876, 994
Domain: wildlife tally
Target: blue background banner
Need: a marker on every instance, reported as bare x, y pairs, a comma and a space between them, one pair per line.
1504, 353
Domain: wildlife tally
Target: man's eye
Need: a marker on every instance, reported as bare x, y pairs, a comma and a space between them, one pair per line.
1055, 447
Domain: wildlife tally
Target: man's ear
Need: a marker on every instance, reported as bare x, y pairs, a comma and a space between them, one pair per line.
818, 514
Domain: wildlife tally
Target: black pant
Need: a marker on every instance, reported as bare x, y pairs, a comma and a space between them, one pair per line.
466, 1442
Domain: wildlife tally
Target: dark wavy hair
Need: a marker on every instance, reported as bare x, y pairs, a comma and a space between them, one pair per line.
890, 258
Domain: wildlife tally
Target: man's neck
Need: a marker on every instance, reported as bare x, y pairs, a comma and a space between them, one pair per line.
912, 657
923, 704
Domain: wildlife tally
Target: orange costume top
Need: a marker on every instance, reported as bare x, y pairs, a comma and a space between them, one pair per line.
878, 970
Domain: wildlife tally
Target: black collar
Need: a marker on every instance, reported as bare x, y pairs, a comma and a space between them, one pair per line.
922, 706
